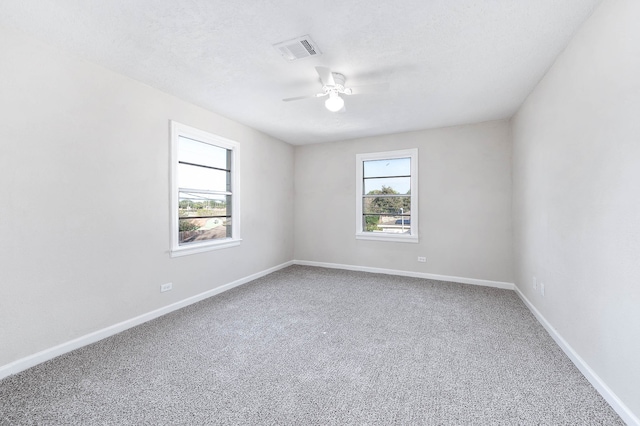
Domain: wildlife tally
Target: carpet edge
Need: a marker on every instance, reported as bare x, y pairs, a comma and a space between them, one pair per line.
460, 280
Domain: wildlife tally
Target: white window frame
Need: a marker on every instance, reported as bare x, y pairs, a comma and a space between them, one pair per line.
361, 234
177, 130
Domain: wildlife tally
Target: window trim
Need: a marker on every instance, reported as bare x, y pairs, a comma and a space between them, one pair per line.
177, 130
388, 155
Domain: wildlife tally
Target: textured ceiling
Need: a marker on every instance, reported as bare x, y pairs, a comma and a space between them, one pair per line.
446, 62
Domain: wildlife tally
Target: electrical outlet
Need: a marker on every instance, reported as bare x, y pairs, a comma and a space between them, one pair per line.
535, 283
422, 259
166, 287
542, 289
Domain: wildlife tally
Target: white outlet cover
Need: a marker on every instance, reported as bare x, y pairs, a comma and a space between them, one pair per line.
542, 289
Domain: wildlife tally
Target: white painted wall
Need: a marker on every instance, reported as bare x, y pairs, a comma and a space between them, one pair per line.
84, 199
576, 205
465, 203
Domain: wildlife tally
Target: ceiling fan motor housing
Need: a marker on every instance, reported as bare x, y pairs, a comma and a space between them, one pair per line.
338, 86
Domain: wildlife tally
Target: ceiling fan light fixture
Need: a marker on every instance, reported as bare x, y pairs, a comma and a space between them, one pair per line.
334, 103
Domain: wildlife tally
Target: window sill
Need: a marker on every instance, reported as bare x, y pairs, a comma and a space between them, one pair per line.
204, 247
387, 237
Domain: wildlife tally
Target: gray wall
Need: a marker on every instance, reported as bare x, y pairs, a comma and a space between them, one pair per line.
576, 205
464, 205
84, 199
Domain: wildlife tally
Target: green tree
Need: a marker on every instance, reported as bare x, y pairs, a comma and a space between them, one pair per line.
388, 204
185, 225
371, 223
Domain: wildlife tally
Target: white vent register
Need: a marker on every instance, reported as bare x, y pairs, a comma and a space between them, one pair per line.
298, 48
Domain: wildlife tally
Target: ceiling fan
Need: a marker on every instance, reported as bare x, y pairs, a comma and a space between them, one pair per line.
333, 87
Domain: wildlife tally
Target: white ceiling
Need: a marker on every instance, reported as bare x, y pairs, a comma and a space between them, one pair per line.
447, 62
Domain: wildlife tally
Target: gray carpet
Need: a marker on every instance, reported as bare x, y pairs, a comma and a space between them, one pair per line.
314, 346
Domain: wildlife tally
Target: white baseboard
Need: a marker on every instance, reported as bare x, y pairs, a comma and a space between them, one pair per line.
461, 280
47, 354
623, 411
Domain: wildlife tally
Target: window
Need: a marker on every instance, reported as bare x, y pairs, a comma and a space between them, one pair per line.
205, 199
387, 196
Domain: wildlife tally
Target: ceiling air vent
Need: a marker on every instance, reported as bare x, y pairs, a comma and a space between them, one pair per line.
298, 48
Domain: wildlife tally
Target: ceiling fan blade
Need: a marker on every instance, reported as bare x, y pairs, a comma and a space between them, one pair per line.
325, 76
297, 98
368, 89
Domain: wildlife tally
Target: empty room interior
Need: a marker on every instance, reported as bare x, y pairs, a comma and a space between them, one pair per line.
348, 212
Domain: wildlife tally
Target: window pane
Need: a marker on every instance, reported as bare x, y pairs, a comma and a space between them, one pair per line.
195, 152
197, 205
194, 230
380, 168
194, 177
385, 224
386, 205
387, 186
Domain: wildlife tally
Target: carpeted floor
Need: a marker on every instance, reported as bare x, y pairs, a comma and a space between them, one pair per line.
313, 346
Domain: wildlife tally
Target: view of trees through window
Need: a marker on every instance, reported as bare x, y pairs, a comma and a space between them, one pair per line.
196, 214
202, 219
386, 201
205, 207
204, 185
384, 209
